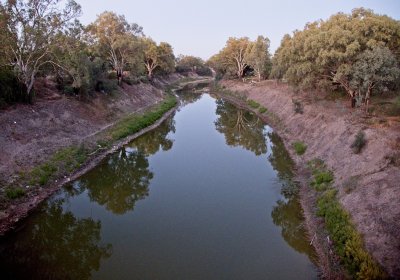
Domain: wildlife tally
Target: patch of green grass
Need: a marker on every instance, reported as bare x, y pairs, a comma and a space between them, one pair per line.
66, 160
299, 147
347, 241
69, 159
253, 104
262, 110
322, 177
133, 124
322, 180
14, 193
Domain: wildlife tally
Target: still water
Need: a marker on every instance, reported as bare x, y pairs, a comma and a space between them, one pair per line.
207, 195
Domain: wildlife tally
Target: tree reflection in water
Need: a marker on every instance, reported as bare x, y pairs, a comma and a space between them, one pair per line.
240, 127
287, 213
124, 178
54, 245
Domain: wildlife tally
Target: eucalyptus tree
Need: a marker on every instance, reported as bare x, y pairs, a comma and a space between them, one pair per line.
375, 69
335, 53
234, 54
30, 29
258, 57
160, 57
116, 40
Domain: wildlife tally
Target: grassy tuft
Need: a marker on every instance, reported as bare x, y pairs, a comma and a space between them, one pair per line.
253, 104
64, 160
14, 193
299, 147
262, 110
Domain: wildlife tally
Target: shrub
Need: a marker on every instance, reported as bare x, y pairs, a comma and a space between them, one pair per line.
14, 193
347, 241
262, 110
11, 90
359, 142
299, 147
298, 107
253, 104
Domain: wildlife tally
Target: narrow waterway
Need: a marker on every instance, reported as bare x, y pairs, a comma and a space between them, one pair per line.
207, 195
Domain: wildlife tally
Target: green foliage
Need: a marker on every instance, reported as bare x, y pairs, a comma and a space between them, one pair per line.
133, 124
14, 193
347, 241
262, 110
11, 90
253, 104
241, 56
158, 58
322, 177
359, 142
259, 58
186, 64
29, 33
358, 52
63, 161
299, 147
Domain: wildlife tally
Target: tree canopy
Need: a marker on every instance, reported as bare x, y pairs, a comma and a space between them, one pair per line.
359, 52
241, 56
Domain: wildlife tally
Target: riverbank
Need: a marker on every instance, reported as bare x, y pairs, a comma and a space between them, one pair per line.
367, 182
57, 139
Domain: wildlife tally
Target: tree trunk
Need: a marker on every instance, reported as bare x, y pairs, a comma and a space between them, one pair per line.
29, 89
353, 102
119, 76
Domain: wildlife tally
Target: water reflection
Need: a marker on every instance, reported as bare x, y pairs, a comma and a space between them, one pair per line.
55, 246
287, 213
188, 96
122, 180
240, 127
119, 182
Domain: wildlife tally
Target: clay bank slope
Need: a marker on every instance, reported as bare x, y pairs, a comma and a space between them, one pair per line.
368, 182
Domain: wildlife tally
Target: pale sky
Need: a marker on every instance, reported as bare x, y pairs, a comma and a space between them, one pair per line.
201, 28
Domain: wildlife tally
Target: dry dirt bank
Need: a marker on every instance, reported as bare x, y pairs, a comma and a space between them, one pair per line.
368, 183
31, 134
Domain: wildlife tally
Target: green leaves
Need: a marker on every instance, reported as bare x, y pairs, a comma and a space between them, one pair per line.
360, 52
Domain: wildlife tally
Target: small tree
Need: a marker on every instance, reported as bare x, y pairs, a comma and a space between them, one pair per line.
31, 28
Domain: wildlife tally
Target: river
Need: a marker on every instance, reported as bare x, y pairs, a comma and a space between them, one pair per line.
207, 195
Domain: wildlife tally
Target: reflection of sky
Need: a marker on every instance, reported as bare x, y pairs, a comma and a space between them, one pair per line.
201, 28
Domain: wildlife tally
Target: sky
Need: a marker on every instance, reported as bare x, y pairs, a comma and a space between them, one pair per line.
201, 28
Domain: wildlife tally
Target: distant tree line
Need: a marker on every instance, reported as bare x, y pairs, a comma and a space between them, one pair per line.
43, 38
358, 53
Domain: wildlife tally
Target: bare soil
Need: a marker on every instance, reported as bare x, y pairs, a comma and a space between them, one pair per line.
31, 134
368, 182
